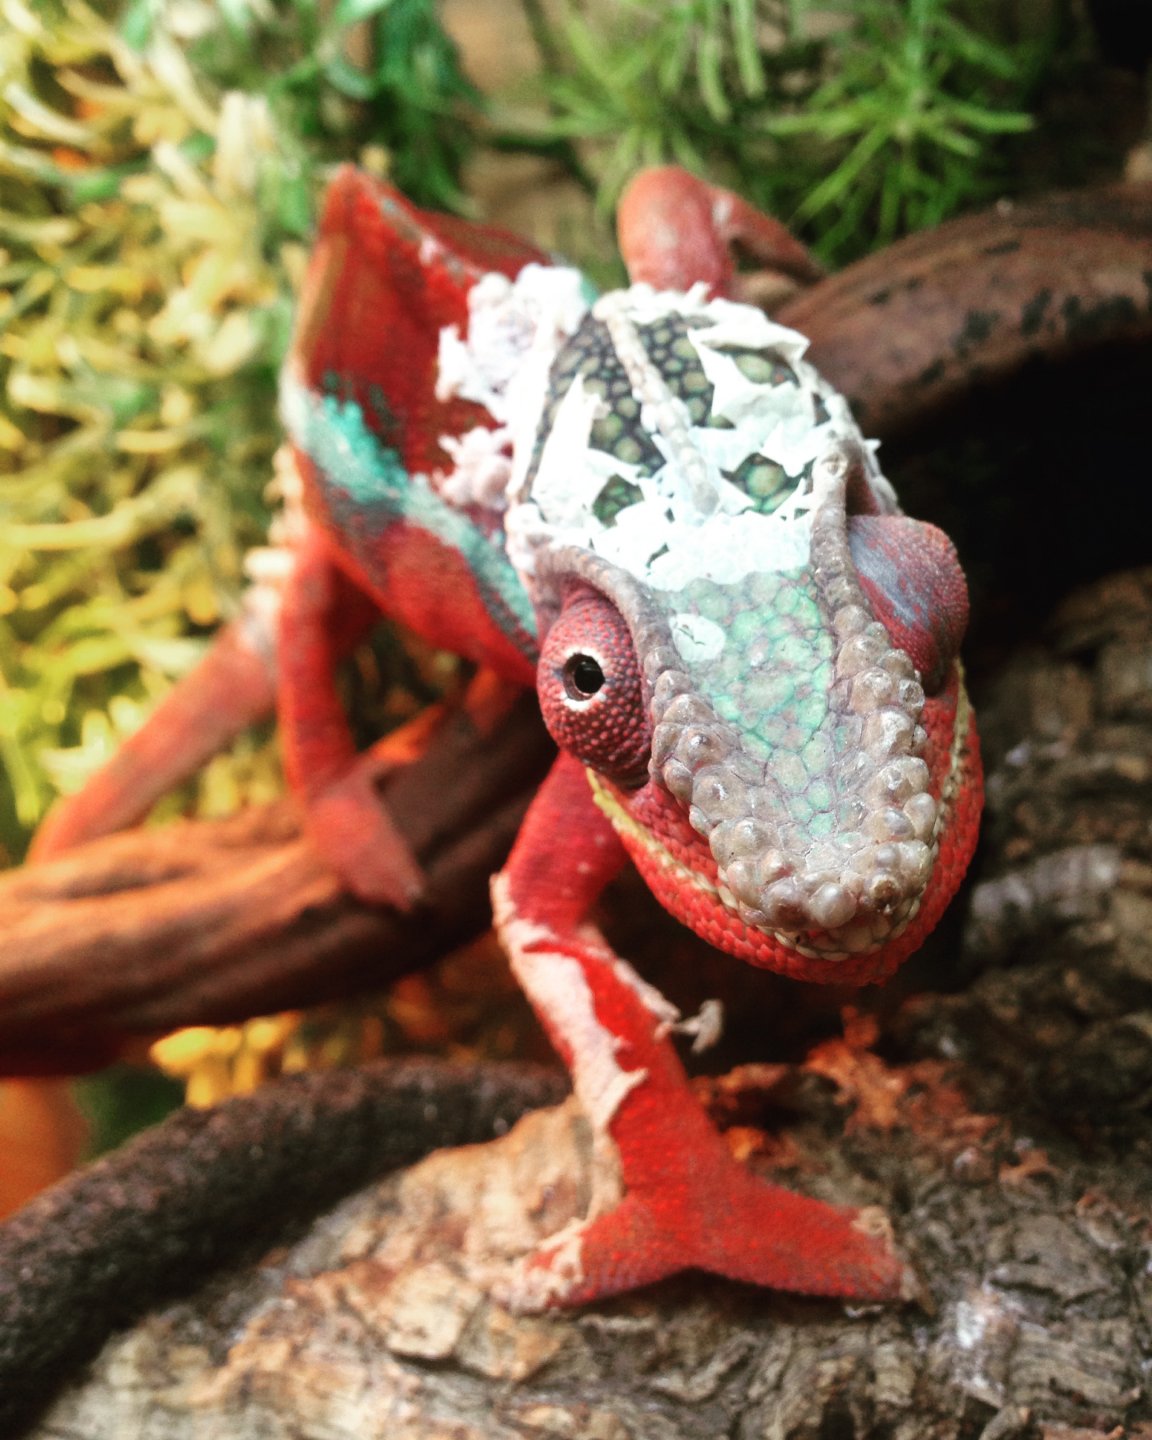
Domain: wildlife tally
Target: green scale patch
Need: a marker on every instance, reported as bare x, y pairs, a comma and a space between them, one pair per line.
672, 353
770, 681
766, 483
620, 432
764, 480
760, 366
616, 495
590, 354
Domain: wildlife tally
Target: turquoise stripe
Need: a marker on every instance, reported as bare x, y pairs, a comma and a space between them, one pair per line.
353, 462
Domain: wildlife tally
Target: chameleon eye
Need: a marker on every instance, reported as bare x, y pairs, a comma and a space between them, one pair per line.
910, 574
583, 676
589, 687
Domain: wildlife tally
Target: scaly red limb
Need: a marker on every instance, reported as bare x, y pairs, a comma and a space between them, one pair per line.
322, 618
233, 687
675, 231
686, 1203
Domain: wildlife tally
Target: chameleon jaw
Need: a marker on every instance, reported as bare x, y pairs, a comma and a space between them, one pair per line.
678, 867
852, 880
660, 863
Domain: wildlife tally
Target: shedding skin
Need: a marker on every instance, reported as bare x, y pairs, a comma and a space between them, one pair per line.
687, 1203
394, 529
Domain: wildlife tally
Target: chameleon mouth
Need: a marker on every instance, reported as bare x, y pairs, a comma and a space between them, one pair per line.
675, 871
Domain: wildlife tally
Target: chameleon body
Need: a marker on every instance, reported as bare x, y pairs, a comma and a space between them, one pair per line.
648, 504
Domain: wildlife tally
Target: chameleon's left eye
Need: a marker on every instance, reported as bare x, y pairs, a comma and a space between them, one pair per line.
583, 676
589, 687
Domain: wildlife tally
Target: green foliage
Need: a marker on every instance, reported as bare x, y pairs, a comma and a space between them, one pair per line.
906, 122
336, 77
122, 1100
643, 84
145, 307
158, 173
888, 120
159, 168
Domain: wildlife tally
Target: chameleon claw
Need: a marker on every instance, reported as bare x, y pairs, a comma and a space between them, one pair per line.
355, 834
581, 1263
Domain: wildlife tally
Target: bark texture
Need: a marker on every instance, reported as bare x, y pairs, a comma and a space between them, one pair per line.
212, 922
1003, 1122
910, 330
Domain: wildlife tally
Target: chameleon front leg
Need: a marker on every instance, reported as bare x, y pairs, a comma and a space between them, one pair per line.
322, 618
670, 1196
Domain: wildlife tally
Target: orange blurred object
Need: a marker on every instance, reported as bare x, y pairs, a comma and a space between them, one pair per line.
42, 1136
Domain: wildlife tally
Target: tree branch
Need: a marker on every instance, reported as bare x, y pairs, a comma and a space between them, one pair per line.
210, 922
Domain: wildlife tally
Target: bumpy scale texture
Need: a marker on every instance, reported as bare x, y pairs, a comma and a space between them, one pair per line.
685, 461
652, 505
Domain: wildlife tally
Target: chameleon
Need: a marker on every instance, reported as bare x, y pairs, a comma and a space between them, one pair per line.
650, 506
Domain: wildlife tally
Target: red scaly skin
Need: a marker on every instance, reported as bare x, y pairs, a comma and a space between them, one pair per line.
384, 281
675, 232
685, 1203
679, 869
371, 313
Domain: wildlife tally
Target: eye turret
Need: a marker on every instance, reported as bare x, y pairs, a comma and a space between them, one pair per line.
590, 693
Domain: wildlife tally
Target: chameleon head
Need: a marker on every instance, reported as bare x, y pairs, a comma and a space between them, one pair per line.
749, 647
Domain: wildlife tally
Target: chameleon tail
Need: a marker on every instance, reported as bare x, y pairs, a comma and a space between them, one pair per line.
232, 688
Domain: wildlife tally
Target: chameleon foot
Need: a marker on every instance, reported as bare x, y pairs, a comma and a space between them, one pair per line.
728, 1223
348, 823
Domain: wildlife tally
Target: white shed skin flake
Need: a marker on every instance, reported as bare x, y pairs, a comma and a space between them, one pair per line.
482, 460
688, 520
559, 990
513, 326
696, 637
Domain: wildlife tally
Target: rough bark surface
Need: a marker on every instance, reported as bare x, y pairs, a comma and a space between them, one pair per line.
913, 328
996, 1101
1004, 1124
208, 922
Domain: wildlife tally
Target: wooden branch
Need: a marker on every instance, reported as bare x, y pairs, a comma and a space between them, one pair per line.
1007, 1133
918, 326
211, 922
183, 1198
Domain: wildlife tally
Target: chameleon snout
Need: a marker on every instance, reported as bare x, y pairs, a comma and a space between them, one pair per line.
823, 818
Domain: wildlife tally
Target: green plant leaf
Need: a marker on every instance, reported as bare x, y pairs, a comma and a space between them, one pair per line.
352, 12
